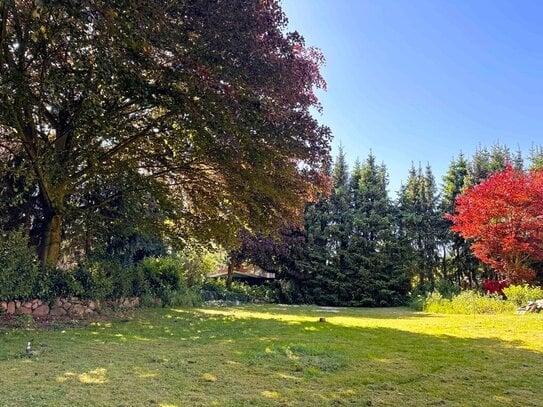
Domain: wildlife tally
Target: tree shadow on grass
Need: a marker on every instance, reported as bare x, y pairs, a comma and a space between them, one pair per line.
196, 358
388, 363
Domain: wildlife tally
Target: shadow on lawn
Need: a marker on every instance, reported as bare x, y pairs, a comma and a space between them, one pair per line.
245, 361
383, 361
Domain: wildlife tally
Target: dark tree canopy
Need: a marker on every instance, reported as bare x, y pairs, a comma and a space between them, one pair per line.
204, 106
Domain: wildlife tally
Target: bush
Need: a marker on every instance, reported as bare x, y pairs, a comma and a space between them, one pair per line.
215, 289
95, 282
495, 286
417, 302
163, 276
175, 280
291, 292
467, 302
197, 262
187, 297
521, 294
127, 281
447, 288
58, 283
91, 279
19, 270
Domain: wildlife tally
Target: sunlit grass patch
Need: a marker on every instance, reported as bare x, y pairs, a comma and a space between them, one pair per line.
96, 376
276, 355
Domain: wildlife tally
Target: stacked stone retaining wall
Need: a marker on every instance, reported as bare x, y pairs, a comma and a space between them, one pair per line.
73, 307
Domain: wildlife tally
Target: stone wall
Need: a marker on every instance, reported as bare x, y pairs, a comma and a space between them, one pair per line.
72, 307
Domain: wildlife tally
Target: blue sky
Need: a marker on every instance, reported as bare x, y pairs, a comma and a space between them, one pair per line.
422, 80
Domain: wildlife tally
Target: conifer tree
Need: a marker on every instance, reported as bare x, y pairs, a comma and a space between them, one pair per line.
461, 264
333, 279
485, 163
536, 158
374, 247
418, 218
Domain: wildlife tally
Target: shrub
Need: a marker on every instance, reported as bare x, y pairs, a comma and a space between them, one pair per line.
447, 288
163, 276
521, 294
95, 282
495, 286
127, 281
467, 302
19, 270
91, 279
215, 289
417, 302
58, 283
290, 292
175, 280
196, 262
187, 297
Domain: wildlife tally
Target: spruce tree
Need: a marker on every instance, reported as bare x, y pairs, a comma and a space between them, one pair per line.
417, 206
328, 227
536, 158
339, 230
461, 265
485, 163
380, 278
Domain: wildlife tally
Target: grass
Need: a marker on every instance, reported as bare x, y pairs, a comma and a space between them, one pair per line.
279, 356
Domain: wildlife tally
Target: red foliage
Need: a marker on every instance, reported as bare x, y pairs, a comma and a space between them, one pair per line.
495, 286
504, 218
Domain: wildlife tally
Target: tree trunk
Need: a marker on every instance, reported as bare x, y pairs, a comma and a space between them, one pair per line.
51, 238
230, 274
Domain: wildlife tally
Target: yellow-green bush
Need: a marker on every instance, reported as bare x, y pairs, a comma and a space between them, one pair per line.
468, 302
521, 294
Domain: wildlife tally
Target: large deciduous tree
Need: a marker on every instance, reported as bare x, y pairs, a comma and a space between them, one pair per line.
202, 105
504, 218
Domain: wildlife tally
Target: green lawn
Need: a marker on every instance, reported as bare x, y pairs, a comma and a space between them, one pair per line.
273, 355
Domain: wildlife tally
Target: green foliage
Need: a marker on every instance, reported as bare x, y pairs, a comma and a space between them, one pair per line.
58, 283
353, 255
416, 302
467, 302
197, 262
290, 291
447, 288
460, 265
521, 294
94, 280
174, 280
536, 158
163, 275
182, 297
215, 289
165, 100
421, 225
19, 271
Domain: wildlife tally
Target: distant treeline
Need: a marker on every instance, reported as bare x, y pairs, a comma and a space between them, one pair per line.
361, 247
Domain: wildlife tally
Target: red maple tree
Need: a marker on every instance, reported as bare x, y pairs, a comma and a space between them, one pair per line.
503, 216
